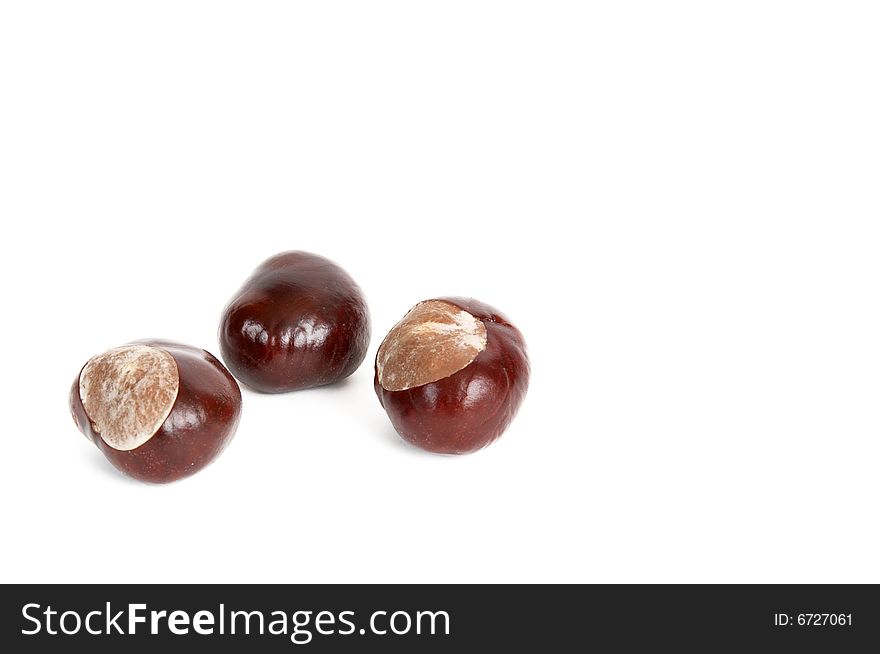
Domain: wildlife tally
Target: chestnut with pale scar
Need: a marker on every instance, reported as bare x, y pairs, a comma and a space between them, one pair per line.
452, 374
158, 410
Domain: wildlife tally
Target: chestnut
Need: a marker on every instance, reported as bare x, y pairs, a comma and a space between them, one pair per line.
452, 374
298, 321
158, 410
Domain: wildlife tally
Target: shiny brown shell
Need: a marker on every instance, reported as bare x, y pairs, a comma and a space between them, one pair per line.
298, 321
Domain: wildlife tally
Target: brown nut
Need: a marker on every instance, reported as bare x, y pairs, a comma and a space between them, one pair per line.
299, 321
452, 374
158, 410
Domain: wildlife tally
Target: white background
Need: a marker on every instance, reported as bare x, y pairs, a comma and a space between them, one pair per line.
676, 202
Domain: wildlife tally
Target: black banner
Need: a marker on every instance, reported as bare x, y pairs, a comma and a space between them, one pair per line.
439, 618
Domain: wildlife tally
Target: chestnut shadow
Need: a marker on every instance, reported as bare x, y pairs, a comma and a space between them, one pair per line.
392, 439
335, 386
340, 385
99, 462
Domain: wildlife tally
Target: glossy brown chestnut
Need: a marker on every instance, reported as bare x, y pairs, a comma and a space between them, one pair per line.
158, 410
298, 321
452, 374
